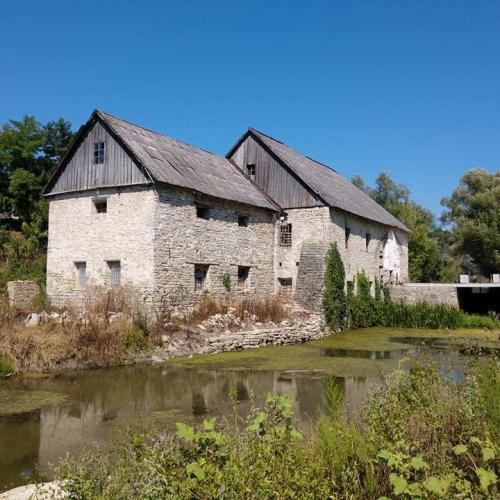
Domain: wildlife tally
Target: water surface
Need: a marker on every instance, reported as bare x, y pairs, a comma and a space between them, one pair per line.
43, 418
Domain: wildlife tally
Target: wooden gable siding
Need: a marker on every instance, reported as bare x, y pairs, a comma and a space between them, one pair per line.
272, 177
81, 173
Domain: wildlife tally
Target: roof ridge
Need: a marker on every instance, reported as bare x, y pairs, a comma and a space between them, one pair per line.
99, 112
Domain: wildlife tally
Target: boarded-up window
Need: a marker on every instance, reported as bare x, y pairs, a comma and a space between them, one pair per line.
250, 171
115, 272
81, 275
243, 220
286, 235
100, 205
98, 153
200, 276
347, 235
243, 272
285, 285
367, 240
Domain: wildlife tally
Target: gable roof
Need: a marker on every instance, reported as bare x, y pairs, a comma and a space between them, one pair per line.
331, 187
170, 161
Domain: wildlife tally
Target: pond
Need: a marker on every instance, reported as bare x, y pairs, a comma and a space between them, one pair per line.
42, 418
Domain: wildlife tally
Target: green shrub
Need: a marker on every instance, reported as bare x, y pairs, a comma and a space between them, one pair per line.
6, 367
334, 299
226, 281
133, 337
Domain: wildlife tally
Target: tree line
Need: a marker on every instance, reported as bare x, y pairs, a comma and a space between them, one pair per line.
465, 239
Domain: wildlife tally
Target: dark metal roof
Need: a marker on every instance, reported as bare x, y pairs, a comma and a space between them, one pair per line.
334, 189
177, 163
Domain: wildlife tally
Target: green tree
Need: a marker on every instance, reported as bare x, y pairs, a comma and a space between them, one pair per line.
334, 299
473, 212
426, 259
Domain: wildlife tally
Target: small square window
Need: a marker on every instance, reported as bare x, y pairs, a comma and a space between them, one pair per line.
200, 276
81, 275
243, 272
286, 235
347, 235
100, 205
115, 271
250, 171
202, 212
243, 221
98, 153
367, 240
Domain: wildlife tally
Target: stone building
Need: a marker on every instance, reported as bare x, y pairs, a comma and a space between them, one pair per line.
133, 208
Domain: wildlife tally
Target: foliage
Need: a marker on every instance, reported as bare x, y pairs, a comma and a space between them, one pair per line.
334, 300
419, 436
6, 367
226, 281
29, 152
473, 210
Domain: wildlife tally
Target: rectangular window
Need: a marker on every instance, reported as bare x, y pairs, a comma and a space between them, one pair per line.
115, 272
243, 272
100, 205
98, 153
200, 276
368, 239
347, 234
81, 275
285, 285
243, 221
286, 235
202, 212
250, 171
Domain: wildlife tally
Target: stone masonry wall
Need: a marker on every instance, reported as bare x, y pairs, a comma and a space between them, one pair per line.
77, 233
313, 229
182, 240
22, 293
435, 293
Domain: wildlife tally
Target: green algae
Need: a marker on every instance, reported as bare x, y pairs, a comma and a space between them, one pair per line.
380, 350
14, 402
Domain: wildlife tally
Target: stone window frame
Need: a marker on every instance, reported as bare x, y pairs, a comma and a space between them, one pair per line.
243, 276
99, 153
115, 272
81, 274
285, 235
200, 275
286, 285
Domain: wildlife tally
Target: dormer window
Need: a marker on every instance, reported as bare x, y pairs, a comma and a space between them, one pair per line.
98, 153
250, 171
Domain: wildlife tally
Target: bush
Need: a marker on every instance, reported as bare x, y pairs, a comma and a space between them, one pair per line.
6, 367
419, 436
334, 299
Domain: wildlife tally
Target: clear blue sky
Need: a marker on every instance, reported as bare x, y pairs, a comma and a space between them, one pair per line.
410, 87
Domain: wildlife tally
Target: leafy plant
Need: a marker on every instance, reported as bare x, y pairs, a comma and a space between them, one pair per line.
226, 281
334, 299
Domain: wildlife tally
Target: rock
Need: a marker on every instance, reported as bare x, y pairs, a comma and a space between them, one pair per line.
164, 339
32, 320
115, 316
42, 491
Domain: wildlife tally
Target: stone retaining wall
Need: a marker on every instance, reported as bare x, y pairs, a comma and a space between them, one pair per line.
301, 331
22, 293
434, 293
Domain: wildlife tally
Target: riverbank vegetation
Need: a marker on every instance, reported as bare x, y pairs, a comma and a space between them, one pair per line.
365, 304
419, 436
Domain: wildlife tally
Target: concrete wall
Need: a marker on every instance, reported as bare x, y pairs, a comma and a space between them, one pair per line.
183, 240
